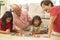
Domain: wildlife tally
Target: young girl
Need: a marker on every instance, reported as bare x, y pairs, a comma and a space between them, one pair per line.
6, 23
37, 26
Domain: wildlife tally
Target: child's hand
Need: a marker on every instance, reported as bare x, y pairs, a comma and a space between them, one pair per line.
30, 33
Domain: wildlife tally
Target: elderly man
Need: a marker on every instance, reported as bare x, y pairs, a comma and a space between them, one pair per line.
21, 19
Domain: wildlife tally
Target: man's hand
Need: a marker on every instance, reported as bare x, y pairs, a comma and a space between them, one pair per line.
20, 32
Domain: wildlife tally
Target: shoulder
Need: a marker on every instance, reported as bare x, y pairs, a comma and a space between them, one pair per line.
42, 25
55, 7
55, 10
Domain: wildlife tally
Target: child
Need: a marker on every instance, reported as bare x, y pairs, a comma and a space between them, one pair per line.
37, 26
6, 23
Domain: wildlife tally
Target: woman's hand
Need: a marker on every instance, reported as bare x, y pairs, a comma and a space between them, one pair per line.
7, 31
47, 36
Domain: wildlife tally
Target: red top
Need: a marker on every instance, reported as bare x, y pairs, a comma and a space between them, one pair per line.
7, 26
55, 11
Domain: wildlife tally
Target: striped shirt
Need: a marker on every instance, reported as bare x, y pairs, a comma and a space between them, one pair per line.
21, 22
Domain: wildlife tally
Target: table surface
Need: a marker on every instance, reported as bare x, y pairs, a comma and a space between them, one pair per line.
14, 37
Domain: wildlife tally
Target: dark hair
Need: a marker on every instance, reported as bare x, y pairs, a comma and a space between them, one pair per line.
47, 2
7, 14
36, 18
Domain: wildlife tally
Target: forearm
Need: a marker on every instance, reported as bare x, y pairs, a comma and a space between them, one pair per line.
52, 19
4, 32
50, 29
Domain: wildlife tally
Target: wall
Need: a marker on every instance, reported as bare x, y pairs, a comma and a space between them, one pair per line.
33, 7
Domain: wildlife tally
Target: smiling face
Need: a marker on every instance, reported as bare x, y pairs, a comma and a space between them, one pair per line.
46, 8
8, 19
36, 22
46, 5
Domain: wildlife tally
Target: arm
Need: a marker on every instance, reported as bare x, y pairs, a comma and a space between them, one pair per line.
31, 30
5, 32
52, 19
15, 27
29, 18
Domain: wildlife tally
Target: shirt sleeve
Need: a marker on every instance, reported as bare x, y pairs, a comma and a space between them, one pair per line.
31, 28
15, 27
54, 11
